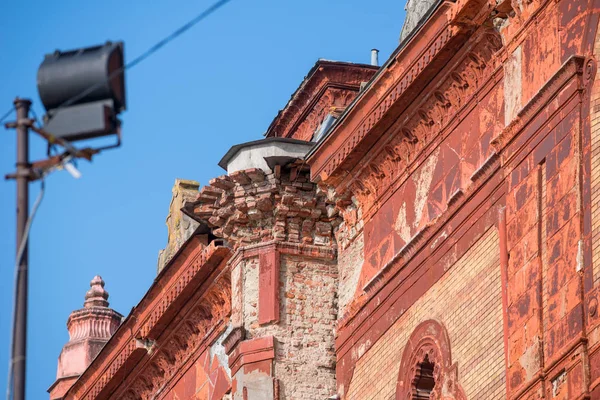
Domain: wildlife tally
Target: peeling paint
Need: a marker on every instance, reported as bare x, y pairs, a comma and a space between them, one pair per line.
512, 86
401, 224
423, 178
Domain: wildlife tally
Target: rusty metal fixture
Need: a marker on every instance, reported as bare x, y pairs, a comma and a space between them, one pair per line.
593, 307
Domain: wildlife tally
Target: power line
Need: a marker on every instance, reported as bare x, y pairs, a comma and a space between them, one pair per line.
153, 49
35, 117
7, 114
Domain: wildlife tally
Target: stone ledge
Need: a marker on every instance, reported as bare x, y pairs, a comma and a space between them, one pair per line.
252, 351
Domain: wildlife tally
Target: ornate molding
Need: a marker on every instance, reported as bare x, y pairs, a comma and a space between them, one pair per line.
236, 335
429, 343
116, 364
95, 320
576, 65
394, 158
325, 77
195, 332
94, 323
190, 274
589, 73
250, 207
252, 351
355, 319
210, 256
391, 92
332, 96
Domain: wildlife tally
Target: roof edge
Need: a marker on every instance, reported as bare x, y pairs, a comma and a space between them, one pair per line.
233, 150
403, 44
321, 62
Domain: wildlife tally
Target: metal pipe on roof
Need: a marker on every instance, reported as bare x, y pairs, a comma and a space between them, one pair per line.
375, 57
350, 106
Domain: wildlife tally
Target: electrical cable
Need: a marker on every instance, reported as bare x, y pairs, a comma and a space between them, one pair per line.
7, 114
35, 117
153, 49
19, 257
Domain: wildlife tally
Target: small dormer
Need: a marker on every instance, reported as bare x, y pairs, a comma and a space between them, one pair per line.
323, 95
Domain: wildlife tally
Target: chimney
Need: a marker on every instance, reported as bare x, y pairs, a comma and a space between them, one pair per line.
180, 226
375, 57
89, 330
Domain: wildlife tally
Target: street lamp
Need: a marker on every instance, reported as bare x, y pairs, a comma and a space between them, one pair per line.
83, 92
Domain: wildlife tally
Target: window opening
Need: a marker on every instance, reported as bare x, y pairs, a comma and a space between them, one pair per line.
424, 381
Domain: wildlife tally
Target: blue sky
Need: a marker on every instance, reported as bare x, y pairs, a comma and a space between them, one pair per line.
219, 84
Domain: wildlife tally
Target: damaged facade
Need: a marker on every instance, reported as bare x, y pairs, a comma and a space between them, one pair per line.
424, 229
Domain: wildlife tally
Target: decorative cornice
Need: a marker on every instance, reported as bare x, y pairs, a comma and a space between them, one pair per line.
395, 156
355, 318
384, 92
236, 335
331, 97
325, 76
93, 323
250, 207
197, 330
252, 351
485, 167
386, 102
192, 273
399, 82
208, 259
297, 249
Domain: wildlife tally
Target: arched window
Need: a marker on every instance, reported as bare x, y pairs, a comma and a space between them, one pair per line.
426, 369
423, 382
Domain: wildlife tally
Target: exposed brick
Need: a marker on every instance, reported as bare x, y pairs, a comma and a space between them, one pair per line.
467, 301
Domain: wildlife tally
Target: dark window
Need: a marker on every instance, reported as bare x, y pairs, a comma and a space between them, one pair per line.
424, 381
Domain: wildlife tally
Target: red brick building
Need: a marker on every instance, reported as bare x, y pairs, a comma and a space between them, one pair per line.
423, 229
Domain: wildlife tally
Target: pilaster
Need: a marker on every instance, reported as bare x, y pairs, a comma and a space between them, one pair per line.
284, 279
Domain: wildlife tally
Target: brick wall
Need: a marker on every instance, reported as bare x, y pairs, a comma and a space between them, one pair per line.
594, 332
544, 272
305, 359
467, 300
595, 173
179, 226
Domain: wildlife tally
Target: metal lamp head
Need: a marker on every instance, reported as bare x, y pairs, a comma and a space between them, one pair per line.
83, 91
